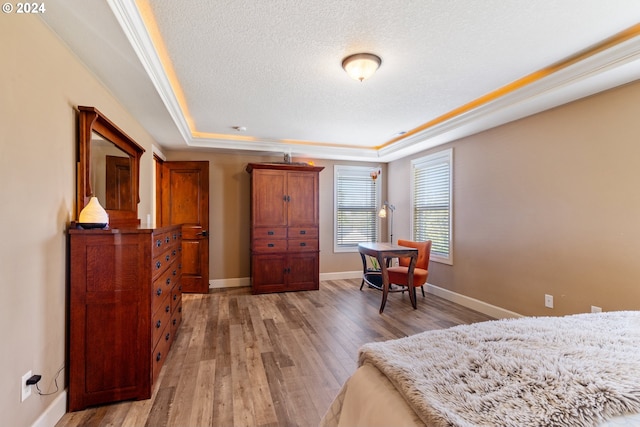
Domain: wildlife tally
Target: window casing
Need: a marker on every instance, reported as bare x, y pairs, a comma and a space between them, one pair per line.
357, 200
431, 191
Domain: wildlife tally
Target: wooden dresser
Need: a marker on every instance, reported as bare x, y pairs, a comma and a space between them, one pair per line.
125, 309
285, 250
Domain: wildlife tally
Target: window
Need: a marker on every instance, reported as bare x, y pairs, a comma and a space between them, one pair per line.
431, 192
357, 199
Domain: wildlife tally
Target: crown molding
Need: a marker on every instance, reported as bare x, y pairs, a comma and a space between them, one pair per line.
604, 70
136, 32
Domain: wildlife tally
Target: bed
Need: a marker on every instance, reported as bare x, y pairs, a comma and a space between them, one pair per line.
579, 370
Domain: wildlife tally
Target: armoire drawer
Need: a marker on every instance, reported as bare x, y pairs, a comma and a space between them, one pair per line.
302, 232
269, 232
297, 245
269, 245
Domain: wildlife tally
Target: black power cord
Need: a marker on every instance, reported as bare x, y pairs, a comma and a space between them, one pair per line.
55, 381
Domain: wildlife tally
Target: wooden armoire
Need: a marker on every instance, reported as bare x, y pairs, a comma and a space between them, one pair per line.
285, 251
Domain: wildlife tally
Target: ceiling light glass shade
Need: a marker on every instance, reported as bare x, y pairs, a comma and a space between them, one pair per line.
361, 66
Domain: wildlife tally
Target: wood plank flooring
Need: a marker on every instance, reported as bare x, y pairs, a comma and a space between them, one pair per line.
270, 360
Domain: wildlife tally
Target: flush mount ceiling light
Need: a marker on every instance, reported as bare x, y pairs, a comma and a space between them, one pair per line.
361, 66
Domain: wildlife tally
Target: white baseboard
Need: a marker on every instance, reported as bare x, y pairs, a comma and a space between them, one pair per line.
472, 303
230, 283
54, 412
341, 275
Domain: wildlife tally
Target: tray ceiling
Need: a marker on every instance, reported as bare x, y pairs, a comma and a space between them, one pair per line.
193, 72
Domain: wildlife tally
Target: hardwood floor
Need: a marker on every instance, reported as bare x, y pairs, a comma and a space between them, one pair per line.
270, 360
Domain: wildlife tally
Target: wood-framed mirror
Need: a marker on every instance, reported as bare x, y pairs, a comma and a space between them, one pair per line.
108, 168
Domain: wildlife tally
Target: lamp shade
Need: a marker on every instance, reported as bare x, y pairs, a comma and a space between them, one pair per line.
361, 66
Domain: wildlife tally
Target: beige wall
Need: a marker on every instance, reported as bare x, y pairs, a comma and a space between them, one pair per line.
229, 204
40, 84
548, 204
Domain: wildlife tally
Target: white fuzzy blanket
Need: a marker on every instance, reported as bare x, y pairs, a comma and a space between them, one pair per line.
539, 371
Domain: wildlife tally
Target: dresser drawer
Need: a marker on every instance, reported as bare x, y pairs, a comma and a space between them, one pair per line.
163, 260
302, 232
161, 242
176, 297
176, 318
161, 318
269, 232
269, 245
161, 351
301, 245
161, 289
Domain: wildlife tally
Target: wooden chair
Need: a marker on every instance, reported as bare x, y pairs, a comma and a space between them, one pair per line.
399, 275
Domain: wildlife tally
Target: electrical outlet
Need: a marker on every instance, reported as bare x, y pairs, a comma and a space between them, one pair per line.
26, 389
548, 301
596, 309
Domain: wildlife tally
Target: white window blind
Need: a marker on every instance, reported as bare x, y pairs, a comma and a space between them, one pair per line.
432, 203
357, 199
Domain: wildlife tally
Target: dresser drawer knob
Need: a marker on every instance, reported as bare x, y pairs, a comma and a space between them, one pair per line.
270, 245
303, 244
167, 239
174, 272
175, 297
175, 321
159, 291
270, 233
158, 356
303, 231
158, 243
168, 281
158, 324
167, 309
166, 337
173, 252
158, 265
167, 258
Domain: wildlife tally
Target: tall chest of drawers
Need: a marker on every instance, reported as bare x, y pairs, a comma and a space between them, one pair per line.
125, 307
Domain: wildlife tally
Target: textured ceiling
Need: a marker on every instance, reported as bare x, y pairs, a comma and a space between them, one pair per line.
274, 67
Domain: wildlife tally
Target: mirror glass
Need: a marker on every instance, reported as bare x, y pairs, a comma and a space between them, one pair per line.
110, 174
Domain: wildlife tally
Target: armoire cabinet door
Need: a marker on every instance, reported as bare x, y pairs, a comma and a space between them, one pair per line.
302, 206
303, 271
269, 203
268, 272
